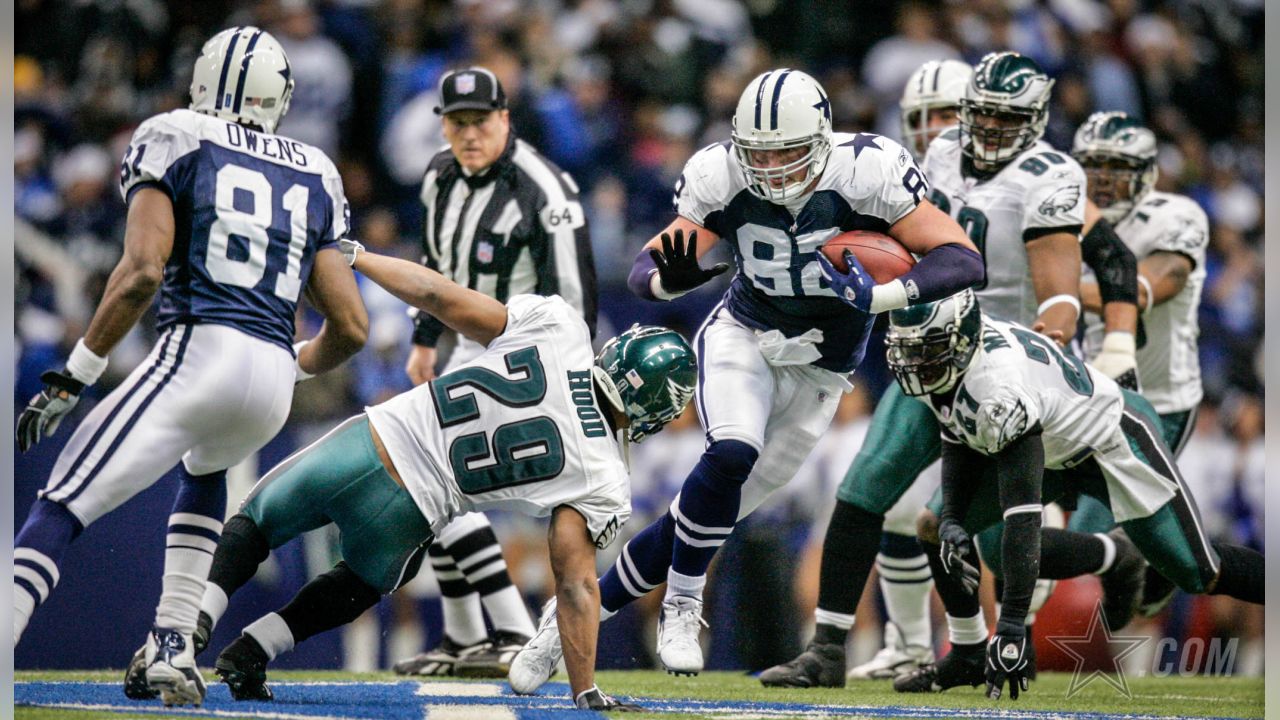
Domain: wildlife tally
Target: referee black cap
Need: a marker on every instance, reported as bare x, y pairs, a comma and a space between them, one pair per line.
473, 88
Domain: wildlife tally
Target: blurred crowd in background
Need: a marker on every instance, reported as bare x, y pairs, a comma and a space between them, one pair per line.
620, 93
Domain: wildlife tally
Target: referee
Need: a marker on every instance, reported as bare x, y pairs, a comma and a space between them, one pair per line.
503, 220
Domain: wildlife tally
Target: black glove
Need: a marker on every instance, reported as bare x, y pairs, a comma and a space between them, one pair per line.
678, 263
1007, 660
957, 549
1129, 380
593, 699
41, 417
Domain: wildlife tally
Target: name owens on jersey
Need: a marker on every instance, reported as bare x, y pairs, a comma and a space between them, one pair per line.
1020, 379
1040, 192
1169, 362
517, 428
251, 210
870, 182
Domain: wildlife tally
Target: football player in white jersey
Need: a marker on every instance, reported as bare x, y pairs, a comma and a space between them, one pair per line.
1169, 234
1012, 405
1023, 205
931, 102
219, 382
534, 424
775, 355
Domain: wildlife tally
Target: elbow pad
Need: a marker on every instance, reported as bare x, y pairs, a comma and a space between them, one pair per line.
1112, 262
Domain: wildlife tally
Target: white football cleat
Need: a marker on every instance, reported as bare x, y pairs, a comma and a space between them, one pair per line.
678, 629
894, 659
537, 660
171, 668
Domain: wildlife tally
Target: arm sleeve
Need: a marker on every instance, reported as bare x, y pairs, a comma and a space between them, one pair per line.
566, 266
943, 272
962, 467
155, 148
1113, 264
1020, 468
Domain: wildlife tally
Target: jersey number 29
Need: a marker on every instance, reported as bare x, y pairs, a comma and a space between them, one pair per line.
252, 226
520, 452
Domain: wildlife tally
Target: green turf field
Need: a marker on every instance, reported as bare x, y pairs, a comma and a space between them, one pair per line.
1182, 697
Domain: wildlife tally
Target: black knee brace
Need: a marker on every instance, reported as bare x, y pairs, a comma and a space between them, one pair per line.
241, 549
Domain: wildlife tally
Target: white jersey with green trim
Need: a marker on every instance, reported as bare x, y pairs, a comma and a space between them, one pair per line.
516, 428
1039, 192
1169, 362
1019, 379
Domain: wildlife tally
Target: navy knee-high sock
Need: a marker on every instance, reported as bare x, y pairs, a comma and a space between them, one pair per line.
706, 511
37, 550
195, 524
640, 567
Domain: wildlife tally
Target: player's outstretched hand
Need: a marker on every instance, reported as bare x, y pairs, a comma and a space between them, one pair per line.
594, 699
853, 287
350, 249
677, 263
957, 550
45, 411
1007, 660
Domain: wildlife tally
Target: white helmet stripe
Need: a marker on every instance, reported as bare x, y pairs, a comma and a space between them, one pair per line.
760, 96
777, 93
244, 70
226, 65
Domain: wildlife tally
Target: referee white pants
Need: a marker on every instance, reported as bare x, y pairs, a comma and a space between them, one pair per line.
781, 410
208, 395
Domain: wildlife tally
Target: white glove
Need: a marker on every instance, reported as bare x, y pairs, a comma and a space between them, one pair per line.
350, 249
1118, 359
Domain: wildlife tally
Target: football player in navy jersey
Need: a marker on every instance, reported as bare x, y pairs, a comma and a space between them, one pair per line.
231, 224
776, 353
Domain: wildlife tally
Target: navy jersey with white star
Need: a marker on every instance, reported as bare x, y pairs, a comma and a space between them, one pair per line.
870, 182
251, 211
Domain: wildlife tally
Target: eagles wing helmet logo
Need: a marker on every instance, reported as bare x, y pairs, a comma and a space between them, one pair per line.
1061, 201
680, 394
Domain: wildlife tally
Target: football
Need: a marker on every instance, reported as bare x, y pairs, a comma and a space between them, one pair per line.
882, 256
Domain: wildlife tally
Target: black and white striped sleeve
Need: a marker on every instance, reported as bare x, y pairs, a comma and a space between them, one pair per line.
426, 327
565, 265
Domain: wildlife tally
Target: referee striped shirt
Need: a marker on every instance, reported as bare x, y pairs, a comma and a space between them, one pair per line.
516, 228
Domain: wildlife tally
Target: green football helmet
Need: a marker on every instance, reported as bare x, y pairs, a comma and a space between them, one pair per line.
1004, 109
930, 345
649, 374
1118, 155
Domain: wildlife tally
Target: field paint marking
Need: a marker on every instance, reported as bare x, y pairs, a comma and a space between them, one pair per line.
460, 689
194, 711
470, 712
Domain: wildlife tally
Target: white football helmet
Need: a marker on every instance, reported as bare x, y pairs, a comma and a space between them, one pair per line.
1118, 155
1004, 109
781, 110
242, 75
936, 85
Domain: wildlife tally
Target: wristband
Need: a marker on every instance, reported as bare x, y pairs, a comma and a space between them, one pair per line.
1146, 285
888, 296
1071, 300
1120, 341
84, 364
297, 366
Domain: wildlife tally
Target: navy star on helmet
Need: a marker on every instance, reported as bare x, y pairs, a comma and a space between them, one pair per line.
1119, 156
242, 75
930, 345
649, 374
1004, 109
780, 110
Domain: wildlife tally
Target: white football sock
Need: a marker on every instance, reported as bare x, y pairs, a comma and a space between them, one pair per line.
272, 633
906, 584
463, 621
215, 602
967, 631
687, 585
187, 559
508, 612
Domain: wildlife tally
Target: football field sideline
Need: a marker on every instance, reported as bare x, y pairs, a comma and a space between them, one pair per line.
323, 696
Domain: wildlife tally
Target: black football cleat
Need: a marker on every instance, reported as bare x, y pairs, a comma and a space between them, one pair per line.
820, 665
493, 661
243, 667
964, 665
1122, 584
